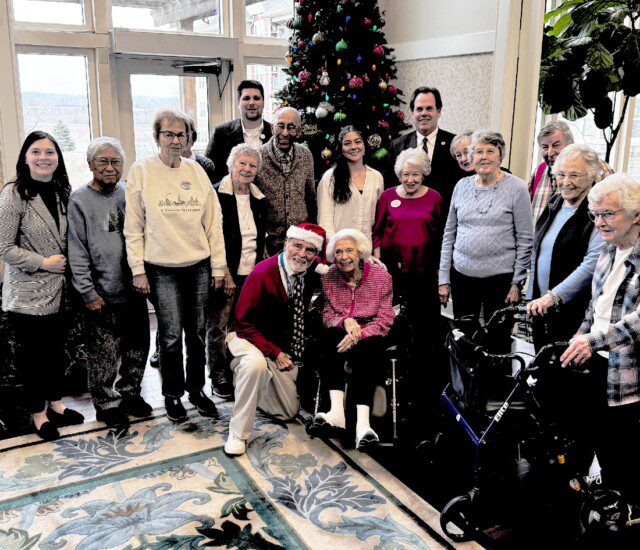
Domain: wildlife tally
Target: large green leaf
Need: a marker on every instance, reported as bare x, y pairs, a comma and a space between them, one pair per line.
598, 57
561, 25
576, 111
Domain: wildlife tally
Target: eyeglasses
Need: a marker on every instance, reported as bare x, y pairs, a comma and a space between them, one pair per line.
290, 127
607, 215
573, 176
170, 135
103, 163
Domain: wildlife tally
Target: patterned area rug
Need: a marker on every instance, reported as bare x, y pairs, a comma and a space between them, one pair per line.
168, 486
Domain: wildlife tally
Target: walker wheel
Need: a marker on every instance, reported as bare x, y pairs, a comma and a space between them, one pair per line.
457, 519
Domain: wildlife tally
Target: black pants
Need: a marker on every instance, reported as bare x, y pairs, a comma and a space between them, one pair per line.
40, 357
365, 359
615, 436
470, 294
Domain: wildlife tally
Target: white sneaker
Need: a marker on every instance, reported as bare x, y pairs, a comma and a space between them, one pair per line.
235, 445
367, 440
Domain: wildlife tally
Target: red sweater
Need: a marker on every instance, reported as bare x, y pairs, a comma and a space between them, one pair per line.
369, 302
263, 315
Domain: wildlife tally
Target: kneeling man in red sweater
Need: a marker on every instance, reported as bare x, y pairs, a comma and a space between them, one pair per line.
268, 338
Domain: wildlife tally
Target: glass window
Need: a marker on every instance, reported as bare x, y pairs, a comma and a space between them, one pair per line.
273, 79
67, 12
171, 16
634, 152
268, 18
150, 93
55, 98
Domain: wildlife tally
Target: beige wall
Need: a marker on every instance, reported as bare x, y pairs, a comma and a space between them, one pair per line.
464, 82
413, 20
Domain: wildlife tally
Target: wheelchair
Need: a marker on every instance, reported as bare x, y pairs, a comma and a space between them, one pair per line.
386, 402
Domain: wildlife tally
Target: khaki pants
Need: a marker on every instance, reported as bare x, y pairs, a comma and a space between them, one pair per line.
259, 384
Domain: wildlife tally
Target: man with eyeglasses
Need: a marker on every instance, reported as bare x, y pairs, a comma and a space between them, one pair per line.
117, 316
268, 337
552, 140
286, 178
249, 128
608, 340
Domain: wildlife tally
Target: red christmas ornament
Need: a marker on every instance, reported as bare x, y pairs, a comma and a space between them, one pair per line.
316, 87
310, 17
300, 43
356, 82
367, 21
378, 50
366, 78
373, 107
383, 124
400, 115
303, 76
392, 90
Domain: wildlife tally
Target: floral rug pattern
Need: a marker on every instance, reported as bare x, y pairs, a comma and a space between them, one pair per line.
168, 486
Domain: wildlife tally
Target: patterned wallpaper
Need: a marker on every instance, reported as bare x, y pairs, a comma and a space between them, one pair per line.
464, 82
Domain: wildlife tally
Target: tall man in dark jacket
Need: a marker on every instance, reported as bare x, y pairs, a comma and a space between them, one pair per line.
426, 108
250, 128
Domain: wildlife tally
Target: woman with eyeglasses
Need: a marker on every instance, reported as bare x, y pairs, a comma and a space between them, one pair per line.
33, 243
175, 248
566, 246
607, 342
486, 247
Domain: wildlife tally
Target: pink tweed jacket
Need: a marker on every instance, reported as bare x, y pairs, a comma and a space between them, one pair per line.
369, 302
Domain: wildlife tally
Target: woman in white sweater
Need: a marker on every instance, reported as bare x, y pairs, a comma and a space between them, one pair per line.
173, 232
349, 191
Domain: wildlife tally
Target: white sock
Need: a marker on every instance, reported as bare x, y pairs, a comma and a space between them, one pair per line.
362, 421
335, 416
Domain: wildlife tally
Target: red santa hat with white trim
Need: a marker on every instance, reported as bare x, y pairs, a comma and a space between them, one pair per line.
310, 233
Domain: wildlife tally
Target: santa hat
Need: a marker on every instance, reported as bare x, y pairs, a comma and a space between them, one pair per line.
310, 233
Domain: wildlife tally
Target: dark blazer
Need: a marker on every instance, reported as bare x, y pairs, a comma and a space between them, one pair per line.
207, 166
225, 137
231, 223
445, 171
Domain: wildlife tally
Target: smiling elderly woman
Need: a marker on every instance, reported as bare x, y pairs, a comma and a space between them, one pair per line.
175, 246
566, 246
486, 248
609, 337
357, 317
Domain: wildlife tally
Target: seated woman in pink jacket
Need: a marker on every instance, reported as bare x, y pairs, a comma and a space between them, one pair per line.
357, 317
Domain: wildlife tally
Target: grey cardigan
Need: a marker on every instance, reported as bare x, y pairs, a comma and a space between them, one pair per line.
28, 235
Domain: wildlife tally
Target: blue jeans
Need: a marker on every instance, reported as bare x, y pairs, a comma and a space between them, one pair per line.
180, 297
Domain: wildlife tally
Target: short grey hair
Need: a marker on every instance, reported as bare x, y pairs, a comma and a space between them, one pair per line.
359, 239
416, 157
170, 115
490, 137
584, 153
464, 136
244, 149
100, 143
556, 126
623, 185
280, 112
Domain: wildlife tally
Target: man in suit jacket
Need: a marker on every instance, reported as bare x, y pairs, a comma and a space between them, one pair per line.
250, 128
426, 108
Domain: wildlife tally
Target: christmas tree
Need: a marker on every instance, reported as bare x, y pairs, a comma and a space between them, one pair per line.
63, 136
341, 70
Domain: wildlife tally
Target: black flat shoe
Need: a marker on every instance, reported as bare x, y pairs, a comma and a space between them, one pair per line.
136, 406
68, 418
48, 432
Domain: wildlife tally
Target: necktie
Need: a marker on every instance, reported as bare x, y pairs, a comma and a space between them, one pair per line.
425, 146
297, 339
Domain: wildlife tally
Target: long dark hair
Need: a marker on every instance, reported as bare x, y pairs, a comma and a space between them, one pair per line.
23, 181
341, 174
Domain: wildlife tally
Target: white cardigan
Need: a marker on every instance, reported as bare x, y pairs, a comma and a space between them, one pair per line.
358, 212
